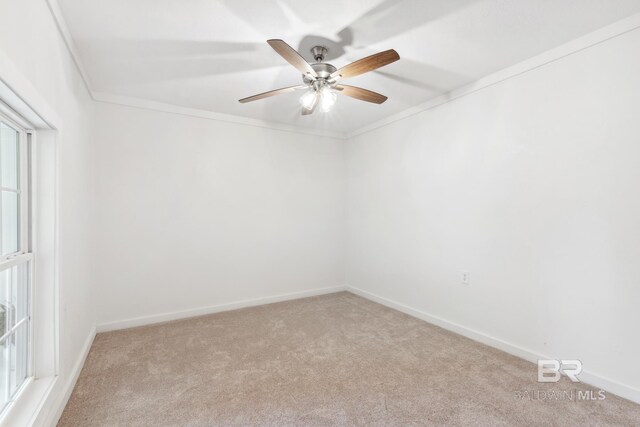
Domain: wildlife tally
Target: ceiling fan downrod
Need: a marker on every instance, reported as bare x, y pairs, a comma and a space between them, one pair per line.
319, 52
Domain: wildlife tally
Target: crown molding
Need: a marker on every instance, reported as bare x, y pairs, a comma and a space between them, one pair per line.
608, 32
594, 38
209, 115
58, 17
54, 7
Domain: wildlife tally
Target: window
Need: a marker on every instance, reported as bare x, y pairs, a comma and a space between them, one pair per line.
15, 262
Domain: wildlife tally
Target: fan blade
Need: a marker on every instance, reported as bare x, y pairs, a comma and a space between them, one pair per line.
367, 64
292, 57
361, 94
271, 93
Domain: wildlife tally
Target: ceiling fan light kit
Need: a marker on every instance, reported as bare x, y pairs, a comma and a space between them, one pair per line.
321, 79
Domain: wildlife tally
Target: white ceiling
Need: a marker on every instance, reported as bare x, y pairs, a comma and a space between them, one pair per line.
207, 54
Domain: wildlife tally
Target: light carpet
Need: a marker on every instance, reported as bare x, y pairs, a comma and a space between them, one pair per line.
332, 360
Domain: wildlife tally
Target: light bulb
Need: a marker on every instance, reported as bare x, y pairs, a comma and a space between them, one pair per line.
327, 99
308, 99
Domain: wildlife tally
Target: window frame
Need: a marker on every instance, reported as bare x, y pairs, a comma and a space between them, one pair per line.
24, 253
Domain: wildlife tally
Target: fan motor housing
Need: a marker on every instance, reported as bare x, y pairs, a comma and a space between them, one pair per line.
323, 70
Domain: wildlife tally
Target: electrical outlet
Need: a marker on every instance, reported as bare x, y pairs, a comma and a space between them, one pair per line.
465, 278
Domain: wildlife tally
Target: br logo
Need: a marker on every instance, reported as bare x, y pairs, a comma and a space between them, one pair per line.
550, 370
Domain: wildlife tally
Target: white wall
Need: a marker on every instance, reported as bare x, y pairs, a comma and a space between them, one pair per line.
530, 185
30, 40
195, 213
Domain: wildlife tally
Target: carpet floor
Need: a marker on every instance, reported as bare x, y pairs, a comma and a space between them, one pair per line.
332, 360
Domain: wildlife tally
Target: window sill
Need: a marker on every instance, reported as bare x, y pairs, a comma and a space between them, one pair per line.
28, 403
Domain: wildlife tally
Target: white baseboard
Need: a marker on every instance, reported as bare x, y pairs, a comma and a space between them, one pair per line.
58, 406
590, 378
183, 314
587, 377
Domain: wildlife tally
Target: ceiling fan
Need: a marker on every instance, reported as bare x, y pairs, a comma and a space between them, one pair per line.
321, 79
